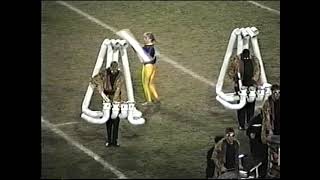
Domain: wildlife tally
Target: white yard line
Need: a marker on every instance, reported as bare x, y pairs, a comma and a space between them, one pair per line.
87, 151
163, 57
67, 123
265, 7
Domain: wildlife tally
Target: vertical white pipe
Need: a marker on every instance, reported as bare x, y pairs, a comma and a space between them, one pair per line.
246, 41
239, 44
256, 50
127, 75
226, 60
109, 55
100, 58
116, 47
131, 106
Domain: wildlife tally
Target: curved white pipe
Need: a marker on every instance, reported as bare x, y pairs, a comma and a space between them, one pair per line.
134, 43
124, 111
232, 106
103, 119
132, 119
115, 110
243, 100
230, 97
136, 112
256, 50
86, 103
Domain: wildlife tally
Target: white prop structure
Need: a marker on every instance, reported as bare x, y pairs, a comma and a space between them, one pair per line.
240, 39
112, 48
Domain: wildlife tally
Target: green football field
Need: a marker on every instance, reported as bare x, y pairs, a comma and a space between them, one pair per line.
192, 37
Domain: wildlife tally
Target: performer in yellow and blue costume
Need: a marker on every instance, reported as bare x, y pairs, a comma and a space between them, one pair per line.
149, 70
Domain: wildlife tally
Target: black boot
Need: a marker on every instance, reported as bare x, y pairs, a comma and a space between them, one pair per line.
115, 143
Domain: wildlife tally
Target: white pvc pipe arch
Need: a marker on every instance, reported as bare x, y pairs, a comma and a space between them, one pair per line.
240, 38
125, 110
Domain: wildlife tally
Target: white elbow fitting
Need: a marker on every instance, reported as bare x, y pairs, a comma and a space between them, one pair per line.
115, 43
252, 94
123, 43
95, 114
124, 111
132, 119
255, 31
136, 112
260, 94
232, 106
103, 119
244, 32
115, 110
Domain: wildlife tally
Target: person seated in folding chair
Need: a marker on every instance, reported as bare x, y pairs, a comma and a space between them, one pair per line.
110, 85
226, 154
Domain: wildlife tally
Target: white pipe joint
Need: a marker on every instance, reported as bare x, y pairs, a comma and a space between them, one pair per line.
106, 42
260, 94
232, 106
244, 32
95, 114
251, 34
243, 91
255, 31
267, 90
230, 97
115, 43
252, 94
136, 112
132, 119
115, 110
103, 119
124, 111
124, 43
237, 31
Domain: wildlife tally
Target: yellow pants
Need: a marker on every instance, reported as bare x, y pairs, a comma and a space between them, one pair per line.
148, 73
